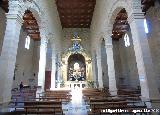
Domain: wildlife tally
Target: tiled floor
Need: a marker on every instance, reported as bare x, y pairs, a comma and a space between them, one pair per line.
77, 106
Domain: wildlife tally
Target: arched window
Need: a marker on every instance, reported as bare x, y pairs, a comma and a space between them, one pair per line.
126, 40
27, 43
146, 26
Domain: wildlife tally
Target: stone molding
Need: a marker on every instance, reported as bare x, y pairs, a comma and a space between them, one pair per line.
44, 42
107, 46
15, 17
135, 16
20, 6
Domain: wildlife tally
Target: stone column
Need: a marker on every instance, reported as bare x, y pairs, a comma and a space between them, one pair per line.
100, 79
58, 66
149, 89
53, 73
94, 69
42, 62
110, 63
8, 55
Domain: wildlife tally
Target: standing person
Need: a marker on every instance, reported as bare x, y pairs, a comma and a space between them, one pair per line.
21, 86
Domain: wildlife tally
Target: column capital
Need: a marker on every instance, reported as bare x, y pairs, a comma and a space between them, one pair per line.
44, 42
108, 39
53, 57
16, 17
135, 16
136, 5
109, 31
50, 36
98, 57
107, 46
14, 6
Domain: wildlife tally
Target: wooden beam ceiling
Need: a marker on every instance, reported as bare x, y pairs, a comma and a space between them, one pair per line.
120, 25
4, 5
75, 13
30, 25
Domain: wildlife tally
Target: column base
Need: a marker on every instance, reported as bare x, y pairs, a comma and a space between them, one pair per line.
113, 93
52, 88
4, 107
146, 101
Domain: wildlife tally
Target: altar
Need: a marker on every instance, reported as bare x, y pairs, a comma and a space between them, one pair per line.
75, 84
76, 65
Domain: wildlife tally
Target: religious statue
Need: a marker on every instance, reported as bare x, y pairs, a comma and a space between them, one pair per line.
76, 72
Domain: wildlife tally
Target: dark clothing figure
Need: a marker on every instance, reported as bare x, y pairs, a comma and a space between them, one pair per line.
21, 86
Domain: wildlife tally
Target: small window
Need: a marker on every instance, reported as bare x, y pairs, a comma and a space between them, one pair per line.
126, 40
146, 26
27, 43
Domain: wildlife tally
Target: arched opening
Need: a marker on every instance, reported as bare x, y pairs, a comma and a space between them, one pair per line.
3, 9
27, 59
76, 68
123, 52
104, 65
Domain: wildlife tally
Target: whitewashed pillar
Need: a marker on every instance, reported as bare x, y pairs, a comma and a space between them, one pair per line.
9, 51
94, 69
149, 89
53, 73
100, 79
110, 63
59, 67
42, 62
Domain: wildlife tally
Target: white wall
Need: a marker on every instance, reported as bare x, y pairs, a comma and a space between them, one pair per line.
26, 61
53, 25
101, 27
125, 63
153, 22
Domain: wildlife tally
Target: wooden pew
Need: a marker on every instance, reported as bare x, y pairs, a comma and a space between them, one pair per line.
39, 107
102, 107
62, 95
24, 95
99, 101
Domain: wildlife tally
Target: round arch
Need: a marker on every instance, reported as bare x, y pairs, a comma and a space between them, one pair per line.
34, 9
23, 8
31, 6
119, 49
117, 6
76, 67
88, 63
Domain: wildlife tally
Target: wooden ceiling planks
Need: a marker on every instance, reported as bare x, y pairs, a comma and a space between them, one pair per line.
75, 13
120, 25
30, 25
4, 5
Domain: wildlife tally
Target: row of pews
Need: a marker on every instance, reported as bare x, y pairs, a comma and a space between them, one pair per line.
61, 95
49, 102
101, 102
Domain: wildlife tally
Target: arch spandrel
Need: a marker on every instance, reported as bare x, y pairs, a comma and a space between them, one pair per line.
23, 6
